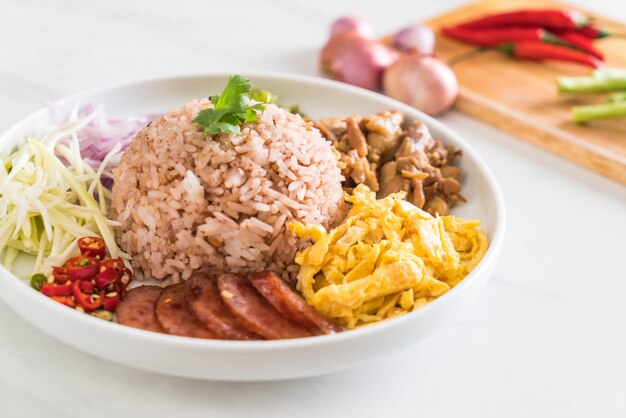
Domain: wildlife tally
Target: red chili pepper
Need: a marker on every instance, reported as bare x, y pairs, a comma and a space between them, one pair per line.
82, 267
497, 36
87, 286
84, 300
581, 42
492, 36
591, 32
126, 277
551, 19
92, 246
65, 300
53, 289
536, 51
59, 274
110, 303
115, 263
106, 277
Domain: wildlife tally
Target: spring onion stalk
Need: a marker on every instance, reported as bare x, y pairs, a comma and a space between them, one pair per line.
602, 80
602, 111
620, 96
50, 196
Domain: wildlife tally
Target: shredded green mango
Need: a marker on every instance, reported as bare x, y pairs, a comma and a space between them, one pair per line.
47, 204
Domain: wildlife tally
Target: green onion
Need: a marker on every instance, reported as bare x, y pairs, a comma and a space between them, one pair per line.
602, 80
602, 111
620, 96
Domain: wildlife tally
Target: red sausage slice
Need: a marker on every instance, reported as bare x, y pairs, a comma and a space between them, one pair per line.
289, 303
136, 309
204, 300
174, 316
254, 312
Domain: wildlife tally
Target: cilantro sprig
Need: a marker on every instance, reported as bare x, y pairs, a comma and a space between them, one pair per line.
230, 109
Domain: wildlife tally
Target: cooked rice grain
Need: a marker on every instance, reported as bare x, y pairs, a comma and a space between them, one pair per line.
222, 203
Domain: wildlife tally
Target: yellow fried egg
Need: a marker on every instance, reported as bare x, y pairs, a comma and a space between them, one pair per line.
385, 259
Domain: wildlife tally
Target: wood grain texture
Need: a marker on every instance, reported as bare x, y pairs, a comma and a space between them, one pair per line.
521, 96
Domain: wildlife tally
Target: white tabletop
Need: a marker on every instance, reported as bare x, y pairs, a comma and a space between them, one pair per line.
547, 337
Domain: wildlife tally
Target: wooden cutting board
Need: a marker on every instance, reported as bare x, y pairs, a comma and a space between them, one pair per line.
521, 97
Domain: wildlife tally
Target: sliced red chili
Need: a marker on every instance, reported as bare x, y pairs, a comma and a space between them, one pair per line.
59, 274
92, 246
87, 286
82, 267
116, 263
53, 289
65, 300
106, 277
111, 302
126, 278
85, 300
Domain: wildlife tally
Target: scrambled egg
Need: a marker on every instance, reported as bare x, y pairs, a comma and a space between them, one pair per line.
387, 258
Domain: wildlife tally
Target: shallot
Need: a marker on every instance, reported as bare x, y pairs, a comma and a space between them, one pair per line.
423, 82
350, 23
417, 38
350, 58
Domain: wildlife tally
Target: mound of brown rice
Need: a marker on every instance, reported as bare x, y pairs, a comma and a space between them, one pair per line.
188, 203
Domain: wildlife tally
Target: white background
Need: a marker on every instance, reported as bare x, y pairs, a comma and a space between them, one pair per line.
547, 337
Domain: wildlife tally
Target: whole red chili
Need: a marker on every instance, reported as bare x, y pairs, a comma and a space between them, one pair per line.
591, 32
537, 51
579, 41
92, 246
497, 36
84, 300
82, 267
53, 289
551, 19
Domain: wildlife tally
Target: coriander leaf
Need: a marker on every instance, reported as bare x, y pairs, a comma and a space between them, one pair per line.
204, 118
251, 112
230, 109
223, 127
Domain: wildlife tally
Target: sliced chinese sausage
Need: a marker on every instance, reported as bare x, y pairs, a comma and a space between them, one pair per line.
137, 308
254, 312
289, 303
174, 316
203, 299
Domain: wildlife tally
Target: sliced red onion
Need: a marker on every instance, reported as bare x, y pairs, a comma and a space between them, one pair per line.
101, 134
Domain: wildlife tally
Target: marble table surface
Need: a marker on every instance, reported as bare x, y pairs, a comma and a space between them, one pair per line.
547, 336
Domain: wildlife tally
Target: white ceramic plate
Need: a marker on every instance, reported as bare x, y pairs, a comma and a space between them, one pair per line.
259, 360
